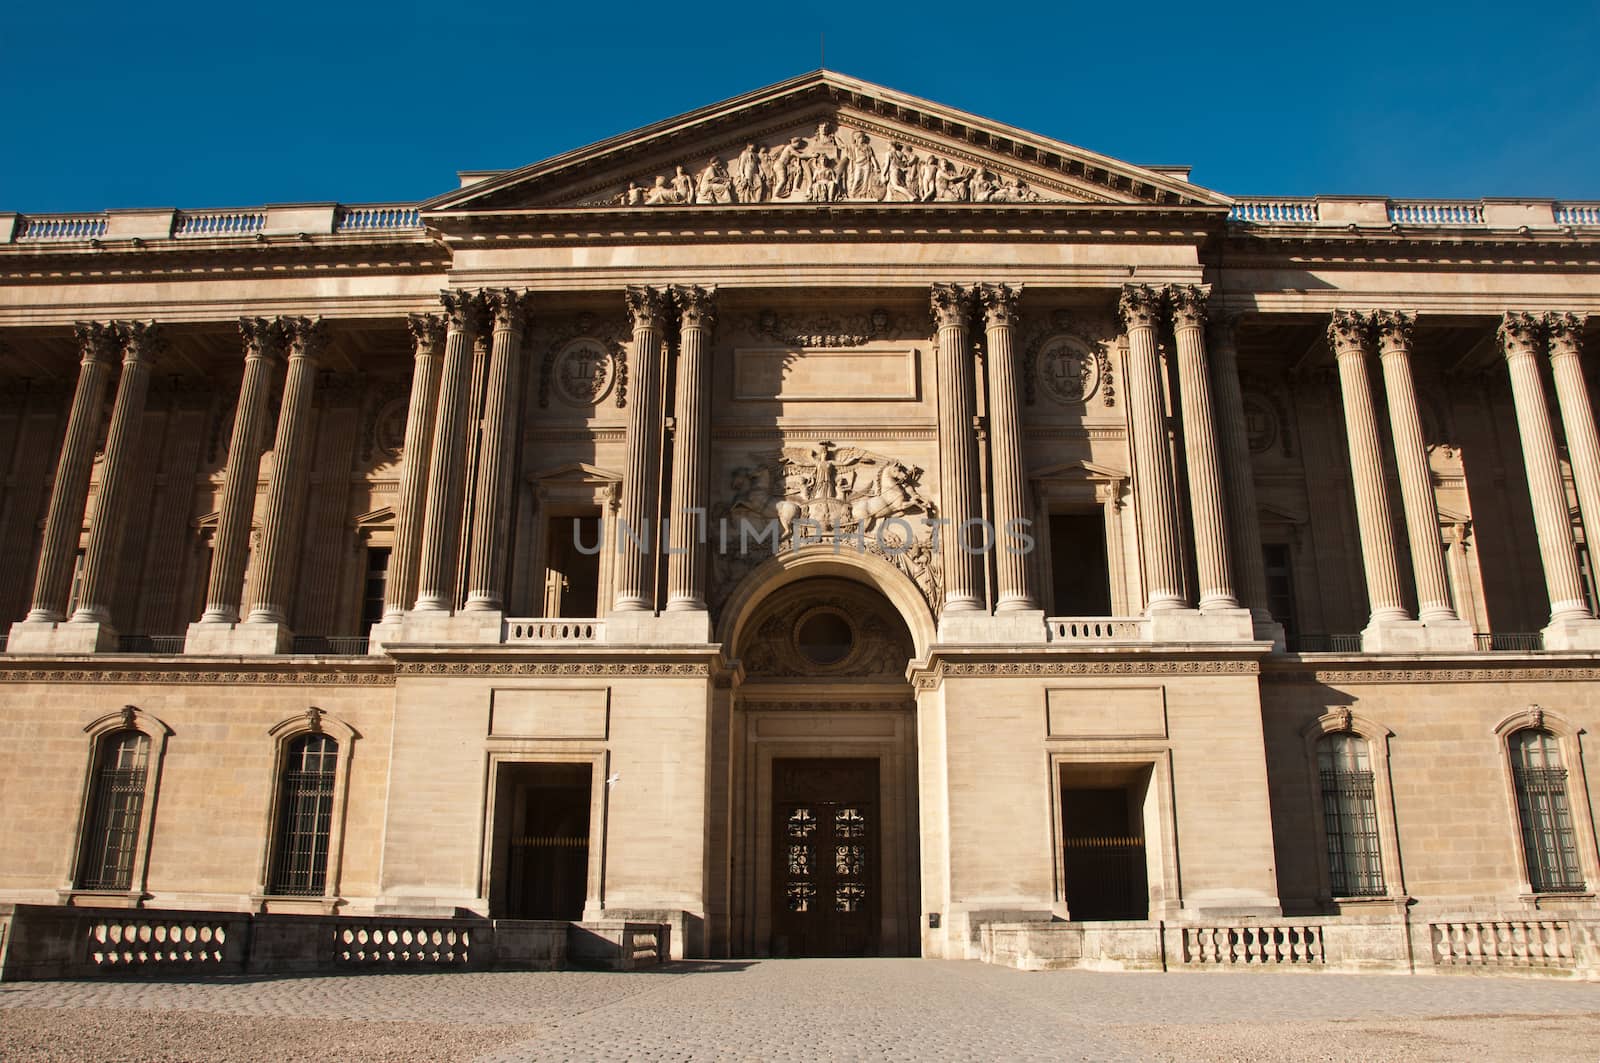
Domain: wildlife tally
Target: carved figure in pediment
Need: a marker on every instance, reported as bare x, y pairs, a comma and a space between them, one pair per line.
749, 177
1015, 190
789, 169
683, 184
823, 149
825, 181
953, 184
715, 185
635, 195
864, 179
661, 193
984, 187
927, 178
899, 174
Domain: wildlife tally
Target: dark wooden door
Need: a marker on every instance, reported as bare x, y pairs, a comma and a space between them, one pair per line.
825, 851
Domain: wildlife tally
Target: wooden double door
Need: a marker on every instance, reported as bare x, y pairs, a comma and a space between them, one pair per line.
827, 875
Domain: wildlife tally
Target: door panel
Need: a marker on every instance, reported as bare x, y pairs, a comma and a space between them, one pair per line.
825, 846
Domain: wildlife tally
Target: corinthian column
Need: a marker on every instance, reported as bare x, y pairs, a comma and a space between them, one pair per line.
427, 330
1155, 495
1239, 484
291, 467
1416, 479
1520, 338
1577, 418
1349, 334
686, 558
70, 492
1212, 564
263, 342
1013, 573
436, 576
139, 341
952, 309
634, 586
492, 510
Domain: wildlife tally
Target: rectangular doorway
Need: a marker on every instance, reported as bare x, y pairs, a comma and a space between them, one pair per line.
541, 836
826, 878
1104, 865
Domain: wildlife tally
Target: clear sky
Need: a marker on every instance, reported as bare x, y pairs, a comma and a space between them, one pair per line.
217, 104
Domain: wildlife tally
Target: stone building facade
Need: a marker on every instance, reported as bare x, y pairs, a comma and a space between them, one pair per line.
826, 523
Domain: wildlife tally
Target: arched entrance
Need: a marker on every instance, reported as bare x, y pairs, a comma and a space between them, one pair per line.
822, 755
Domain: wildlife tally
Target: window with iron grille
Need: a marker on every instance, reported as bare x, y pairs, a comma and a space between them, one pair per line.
1350, 816
1548, 839
116, 805
305, 815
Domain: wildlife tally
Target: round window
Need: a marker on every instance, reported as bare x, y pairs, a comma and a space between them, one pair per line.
825, 637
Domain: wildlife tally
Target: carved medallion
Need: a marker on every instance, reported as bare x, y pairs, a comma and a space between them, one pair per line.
1260, 423
584, 373
1067, 368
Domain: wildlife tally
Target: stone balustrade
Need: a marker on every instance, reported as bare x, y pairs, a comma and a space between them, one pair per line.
1435, 212
402, 942
1095, 629
376, 218
1418, 213
58, 227
1275, 211
293, 219
1502, 943
1252, 945
537, 630
202, 223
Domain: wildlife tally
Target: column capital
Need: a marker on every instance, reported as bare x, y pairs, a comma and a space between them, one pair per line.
999, 303
263, 336
1188, 305
1519, 333
951, 305
1139, 306
97, 340
427, 330
1394, 329
508, 307
463, 309
1220, 329
304, 337
141, 340
647, 306
1349, 333
1565, 332
697, 306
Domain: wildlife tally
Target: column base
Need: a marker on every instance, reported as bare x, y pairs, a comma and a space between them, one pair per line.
1413, 636
1560, 635
63, 637
1191, 625
237, 640
481, 627
1021, 625
678, 627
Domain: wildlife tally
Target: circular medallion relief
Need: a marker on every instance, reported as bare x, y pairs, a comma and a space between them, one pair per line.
389, 428
1260, 424
583, 372
825, 636
1068, 371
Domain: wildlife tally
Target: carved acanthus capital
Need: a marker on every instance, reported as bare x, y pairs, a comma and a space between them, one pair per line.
999, 303
1565, 332
427, 331
647, 307
263, 336
1394, 329
1349, 333
97, 341
697, 306
305, 336
952, 305
1519, 334
1139, 306
1188, 305
508, 307
464, 310
1220, 333
141, 340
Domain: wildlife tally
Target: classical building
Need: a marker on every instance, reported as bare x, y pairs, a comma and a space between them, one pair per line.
822, 523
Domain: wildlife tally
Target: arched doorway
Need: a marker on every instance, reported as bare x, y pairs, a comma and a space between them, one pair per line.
822, 751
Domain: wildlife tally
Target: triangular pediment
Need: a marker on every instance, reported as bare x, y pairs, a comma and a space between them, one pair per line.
817, 140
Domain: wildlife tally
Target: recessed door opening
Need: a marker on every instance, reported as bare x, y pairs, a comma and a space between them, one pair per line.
1103, 830
541, 841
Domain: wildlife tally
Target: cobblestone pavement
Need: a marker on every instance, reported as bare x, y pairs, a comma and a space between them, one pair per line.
806, 1009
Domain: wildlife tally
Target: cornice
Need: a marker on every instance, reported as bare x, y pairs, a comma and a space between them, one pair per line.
945, 664
1526, 668
109, 668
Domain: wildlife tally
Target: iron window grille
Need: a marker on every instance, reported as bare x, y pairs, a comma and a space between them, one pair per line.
116, 808
1549, 841
1350, 817
305, 817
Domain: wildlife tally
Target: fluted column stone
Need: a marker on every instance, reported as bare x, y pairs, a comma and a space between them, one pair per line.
1155, 494
952, 310
1520, 337
263, 340
1565, 332
69, 494
1213, 566
139, 341
427, 332
1013, 571
686, 560
634, 583
492, 509
1238, 481
1349, 335
437, 566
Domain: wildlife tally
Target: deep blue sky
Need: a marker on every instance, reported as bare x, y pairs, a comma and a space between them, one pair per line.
201, 105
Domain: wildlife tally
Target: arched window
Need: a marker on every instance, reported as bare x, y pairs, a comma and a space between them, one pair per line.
1350, 816
1549, 841
116, 808
305, 816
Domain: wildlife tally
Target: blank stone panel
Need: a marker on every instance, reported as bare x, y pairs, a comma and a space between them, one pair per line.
563, 712
1106, 712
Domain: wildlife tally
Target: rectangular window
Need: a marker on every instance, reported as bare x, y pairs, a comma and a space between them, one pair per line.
376, 586
1548, 840
1080, 574
572, 577
1280, 587
1350, 817
116, 805
305, 817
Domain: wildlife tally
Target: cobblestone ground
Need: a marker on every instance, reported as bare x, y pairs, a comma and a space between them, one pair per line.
806, 1009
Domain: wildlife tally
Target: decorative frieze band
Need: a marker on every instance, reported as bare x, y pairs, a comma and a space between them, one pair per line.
340, 677
555, 668
930, 678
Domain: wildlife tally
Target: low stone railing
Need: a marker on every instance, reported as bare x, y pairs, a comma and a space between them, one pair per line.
60, 227
118, 942
1275, 211
376, 217
284, 220
1435, 212
1253, 946
368, 942
1095, 629
1358, 211
541, 630
201, 223
1503, 943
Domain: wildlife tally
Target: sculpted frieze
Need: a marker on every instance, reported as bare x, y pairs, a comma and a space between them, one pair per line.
834, 164
822, 329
